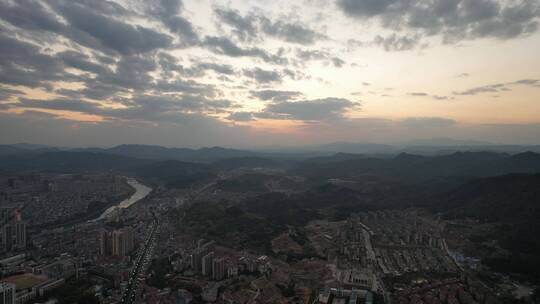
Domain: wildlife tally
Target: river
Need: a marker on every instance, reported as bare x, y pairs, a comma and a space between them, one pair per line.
141, 191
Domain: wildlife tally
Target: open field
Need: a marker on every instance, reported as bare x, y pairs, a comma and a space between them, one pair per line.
25, 281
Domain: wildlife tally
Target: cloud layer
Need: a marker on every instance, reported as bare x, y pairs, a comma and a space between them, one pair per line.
102, 64
453, 20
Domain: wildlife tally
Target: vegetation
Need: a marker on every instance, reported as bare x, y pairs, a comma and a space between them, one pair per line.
75, 291
176, 174
158, 271
511, 201
231, 224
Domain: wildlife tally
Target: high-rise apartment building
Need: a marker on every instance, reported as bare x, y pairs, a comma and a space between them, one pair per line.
12, 229
7, 293
20, 234
122, 242
196, 258
218, 269
207, 264
119, 242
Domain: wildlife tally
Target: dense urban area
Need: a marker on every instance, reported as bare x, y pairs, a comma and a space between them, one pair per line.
233, 227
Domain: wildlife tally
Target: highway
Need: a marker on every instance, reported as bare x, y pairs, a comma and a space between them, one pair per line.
140, 266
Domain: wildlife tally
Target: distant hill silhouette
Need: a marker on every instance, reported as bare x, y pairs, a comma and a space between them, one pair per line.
6, 150
512, 197
68, 162
410, 168
163, 153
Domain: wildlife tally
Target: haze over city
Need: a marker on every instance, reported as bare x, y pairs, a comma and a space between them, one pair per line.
268, 73
269, 152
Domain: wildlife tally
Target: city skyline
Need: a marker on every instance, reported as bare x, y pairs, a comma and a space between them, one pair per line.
258, 74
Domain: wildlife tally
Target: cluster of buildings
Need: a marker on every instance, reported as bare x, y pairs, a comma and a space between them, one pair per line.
402, 241
32, 267
403, 228
373, 249
204, 260
54, 199
344, 296
25, 279
444, 292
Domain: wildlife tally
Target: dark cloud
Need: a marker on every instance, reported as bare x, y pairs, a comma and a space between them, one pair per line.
499, 87
290, 32
419, 94
7, 93
99, 29
166, 108
168, 12
243, 27
275, 95
30, 15
529, 82
169, 65
186, 86
22, 63
60, 104
263, 76
325, 109
132, 72
493, 88
436, 97
312, 54
93, 24
241, 116
254, 27
364, 8
82, 62
199, 69
338, 62
454, 20
224, 46
183, 28
390, 43
119, 59
166, 7
394, 42
319, 55
149, 108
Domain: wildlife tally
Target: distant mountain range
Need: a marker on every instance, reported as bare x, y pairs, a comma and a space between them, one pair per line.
425, 147
439, 146
405, 168
409, 168
163, 153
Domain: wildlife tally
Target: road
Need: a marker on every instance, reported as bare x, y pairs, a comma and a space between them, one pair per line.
141, 263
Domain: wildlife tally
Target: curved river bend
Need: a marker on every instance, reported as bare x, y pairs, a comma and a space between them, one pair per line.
141, 191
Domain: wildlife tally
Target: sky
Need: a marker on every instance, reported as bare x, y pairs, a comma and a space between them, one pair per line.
253, 73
